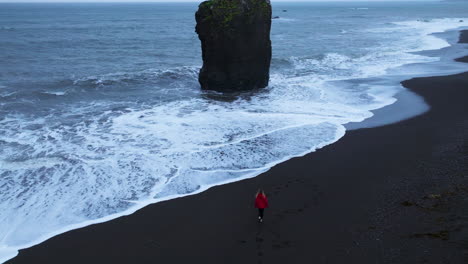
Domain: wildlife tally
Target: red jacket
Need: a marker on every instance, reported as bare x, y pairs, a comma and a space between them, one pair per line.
261, 201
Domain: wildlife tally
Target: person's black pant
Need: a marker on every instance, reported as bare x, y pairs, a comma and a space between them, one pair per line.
260, 212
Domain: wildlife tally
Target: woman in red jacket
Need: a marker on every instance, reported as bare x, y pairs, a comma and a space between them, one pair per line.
261, 202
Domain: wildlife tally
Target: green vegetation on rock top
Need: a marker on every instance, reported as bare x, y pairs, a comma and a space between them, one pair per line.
222, 12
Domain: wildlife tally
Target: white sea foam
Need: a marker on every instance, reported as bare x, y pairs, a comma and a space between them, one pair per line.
7, 94
59, 93
424, 29
285, 19
131, 77
4, 93
120, 161
359, 8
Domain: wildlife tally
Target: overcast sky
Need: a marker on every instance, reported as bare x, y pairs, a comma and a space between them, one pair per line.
87, 1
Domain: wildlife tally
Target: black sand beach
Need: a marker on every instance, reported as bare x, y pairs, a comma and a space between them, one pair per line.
392, 194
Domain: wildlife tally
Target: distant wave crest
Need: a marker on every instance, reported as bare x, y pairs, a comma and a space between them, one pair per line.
151, 75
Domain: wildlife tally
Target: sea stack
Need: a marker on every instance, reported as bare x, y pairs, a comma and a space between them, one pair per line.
236, 45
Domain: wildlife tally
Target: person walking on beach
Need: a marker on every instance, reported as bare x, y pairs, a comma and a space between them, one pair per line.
261, 202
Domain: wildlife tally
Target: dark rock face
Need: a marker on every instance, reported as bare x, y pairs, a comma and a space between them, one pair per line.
463, 36
236, 46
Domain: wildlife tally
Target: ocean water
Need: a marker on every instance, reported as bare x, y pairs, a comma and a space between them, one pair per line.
101, 112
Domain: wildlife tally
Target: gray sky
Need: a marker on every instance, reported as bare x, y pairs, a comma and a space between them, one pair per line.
90, 1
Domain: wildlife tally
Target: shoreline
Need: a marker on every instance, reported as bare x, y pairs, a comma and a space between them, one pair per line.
97, 242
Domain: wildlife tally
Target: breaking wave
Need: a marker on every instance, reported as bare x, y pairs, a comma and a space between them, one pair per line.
177, 75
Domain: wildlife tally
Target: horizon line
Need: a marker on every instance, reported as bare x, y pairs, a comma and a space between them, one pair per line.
195, 1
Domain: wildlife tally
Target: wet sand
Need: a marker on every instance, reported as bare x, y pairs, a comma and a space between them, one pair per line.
391, 194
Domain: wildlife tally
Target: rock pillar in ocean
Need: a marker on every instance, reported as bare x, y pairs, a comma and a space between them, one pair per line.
236, 46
